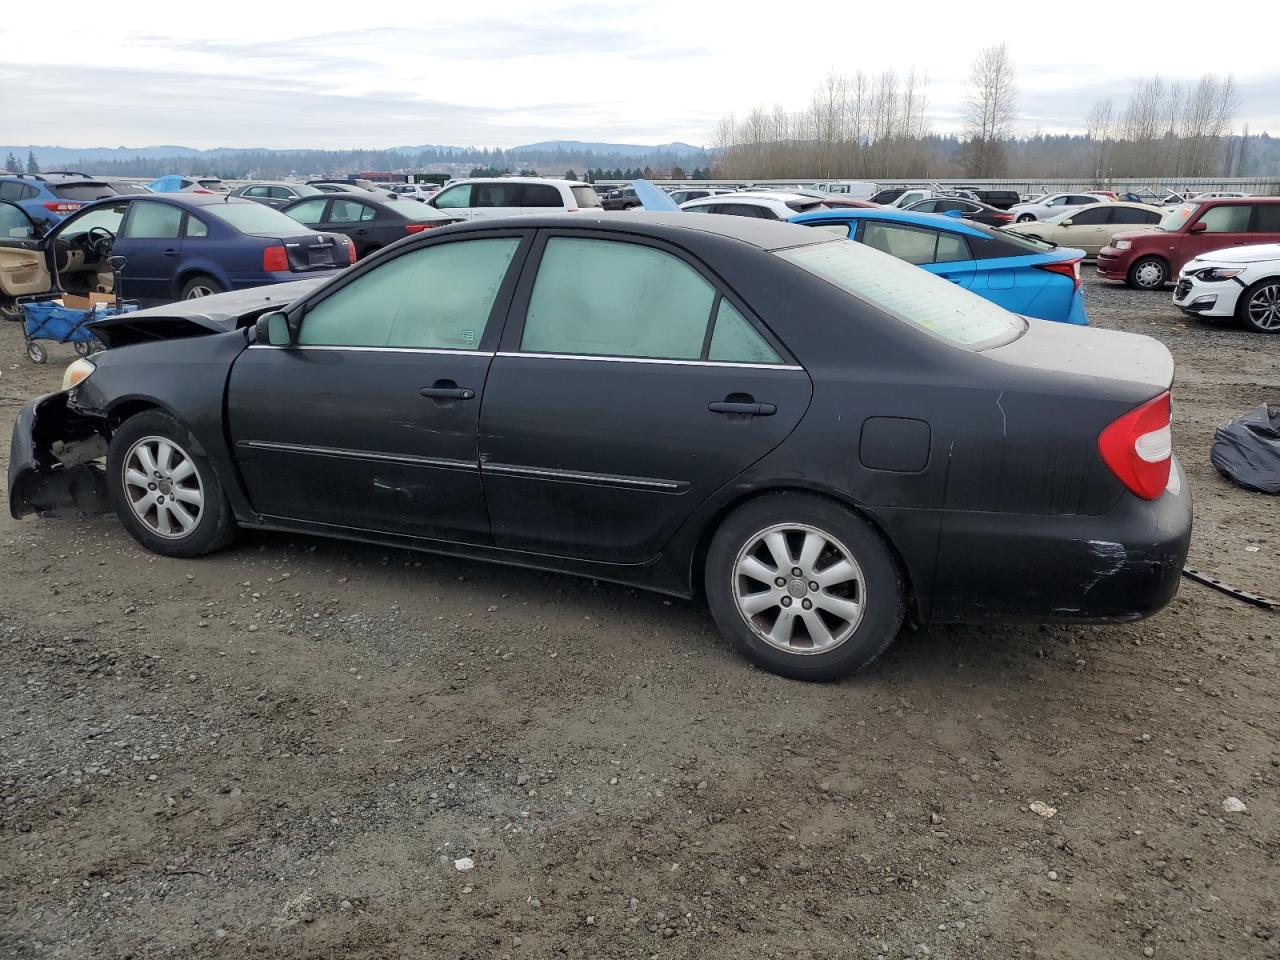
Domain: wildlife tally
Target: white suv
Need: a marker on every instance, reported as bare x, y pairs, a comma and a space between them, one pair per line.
486, 199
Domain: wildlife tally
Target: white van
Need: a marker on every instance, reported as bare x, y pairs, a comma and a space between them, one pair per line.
487, 199
853, 189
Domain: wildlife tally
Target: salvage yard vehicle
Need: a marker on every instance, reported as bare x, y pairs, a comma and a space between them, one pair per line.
973, 210
49, 198
176, 246
172, 183
1241, 283
822, 439
1021, 274
1148, 259
486, 199
1042, 208
369, 222
1090, 228
759, 205
275, 193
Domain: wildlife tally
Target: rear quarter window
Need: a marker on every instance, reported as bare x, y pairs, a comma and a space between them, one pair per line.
586, 197
908, 293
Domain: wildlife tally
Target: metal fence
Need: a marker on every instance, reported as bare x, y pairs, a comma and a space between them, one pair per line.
1254, 186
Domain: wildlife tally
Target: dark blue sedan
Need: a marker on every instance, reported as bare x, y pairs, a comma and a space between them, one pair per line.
174, 247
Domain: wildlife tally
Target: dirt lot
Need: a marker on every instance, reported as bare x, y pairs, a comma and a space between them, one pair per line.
280, 751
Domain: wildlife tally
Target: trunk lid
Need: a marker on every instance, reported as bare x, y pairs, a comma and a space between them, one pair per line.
309, 250
1123, 358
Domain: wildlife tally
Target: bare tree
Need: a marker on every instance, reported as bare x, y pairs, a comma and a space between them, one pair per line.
989, 108
1100, 129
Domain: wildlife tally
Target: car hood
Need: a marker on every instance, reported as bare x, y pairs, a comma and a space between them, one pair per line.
1250, 254
204, 315
1136, 234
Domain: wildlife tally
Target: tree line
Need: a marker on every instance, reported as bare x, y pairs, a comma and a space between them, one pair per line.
865, 126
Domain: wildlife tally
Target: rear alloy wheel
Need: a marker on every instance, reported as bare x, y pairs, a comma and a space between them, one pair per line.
166, 494
803, 587
1259, 308
9, 309
1025, 218
200, 286
1149, 273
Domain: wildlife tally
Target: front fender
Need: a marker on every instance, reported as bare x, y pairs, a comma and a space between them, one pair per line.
51, 454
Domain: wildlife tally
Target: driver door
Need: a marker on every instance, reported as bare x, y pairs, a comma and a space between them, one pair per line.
71, 257
23, 270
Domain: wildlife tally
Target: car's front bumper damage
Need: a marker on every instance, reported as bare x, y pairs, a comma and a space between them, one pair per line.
53, 468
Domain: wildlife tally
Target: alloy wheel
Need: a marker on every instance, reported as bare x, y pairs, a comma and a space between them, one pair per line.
799, 588
199, 290
1149, 275
163, 487
1264, 307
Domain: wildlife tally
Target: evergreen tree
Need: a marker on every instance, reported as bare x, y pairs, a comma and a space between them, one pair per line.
11, 164
32, 166
677, 173
570, 175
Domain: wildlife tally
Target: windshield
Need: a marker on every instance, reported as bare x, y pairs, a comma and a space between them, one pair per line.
909, 293
1175, 218
250, 217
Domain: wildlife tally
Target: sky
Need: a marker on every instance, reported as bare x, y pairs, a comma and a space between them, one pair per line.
239, 74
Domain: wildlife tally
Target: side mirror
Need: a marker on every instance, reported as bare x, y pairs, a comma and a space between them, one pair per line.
1067, 223
273, 329
1200, 227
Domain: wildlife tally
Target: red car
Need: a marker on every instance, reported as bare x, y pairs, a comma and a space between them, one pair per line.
1150, 258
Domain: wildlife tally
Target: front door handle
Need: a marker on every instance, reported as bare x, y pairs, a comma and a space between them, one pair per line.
447, 390
751, 409
171, 253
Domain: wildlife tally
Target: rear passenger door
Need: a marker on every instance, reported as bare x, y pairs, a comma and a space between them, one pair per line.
353, 218
150, 240
629, 387
938, 251
494, 199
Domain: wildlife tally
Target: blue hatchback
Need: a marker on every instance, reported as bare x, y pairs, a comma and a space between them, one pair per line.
49, 197
1030, 277
174, 246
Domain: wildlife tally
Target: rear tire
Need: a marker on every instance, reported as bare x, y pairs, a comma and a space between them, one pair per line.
1149, 273
201, 285
9, 309
1259, 307
833, 617
172, 503
1025, 218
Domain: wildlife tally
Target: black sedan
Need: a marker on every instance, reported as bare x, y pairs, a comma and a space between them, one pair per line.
370, 221
966, 209
822, 439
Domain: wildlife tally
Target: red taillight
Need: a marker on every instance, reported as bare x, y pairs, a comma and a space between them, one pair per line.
351, 252
199, 190
1138, 447
417, 227
1068, 268
1002, 217
571, 210
54, 206
275, 259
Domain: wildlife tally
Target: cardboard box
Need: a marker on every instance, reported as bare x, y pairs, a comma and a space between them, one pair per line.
88, 302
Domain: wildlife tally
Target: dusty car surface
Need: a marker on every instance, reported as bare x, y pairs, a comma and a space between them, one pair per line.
823, 439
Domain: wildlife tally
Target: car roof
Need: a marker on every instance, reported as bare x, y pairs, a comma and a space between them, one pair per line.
780, 196
555, 180
763, 234
177, 199
932, 220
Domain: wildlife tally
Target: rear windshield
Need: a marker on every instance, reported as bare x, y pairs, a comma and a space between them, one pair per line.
211, 184
82, 191
586, 196
909, 293
250, 217
807, 206
1175, 218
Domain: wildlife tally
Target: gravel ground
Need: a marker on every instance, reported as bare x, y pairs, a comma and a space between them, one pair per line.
287, 749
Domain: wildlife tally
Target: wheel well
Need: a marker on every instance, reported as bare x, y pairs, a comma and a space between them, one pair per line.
1168, 270
187, 276
699, 559
123, 411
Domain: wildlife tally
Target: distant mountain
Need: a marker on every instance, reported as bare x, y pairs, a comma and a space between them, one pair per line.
609, 149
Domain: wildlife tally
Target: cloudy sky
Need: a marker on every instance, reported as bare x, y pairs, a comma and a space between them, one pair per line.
241, 74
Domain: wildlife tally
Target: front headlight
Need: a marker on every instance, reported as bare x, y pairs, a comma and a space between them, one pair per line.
77, 372
1122, 244
1214, 274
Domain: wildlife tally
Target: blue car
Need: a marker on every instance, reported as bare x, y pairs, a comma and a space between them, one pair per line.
1026, 276
48, 198
175, 247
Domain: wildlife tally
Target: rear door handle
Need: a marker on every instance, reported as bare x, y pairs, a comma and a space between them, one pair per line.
171, 253
747, 409
448, 393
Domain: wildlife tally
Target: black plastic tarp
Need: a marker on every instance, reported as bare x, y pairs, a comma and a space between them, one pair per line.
1247, 449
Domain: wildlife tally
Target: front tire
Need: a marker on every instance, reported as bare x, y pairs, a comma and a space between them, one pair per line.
165, 493
201, 285
1025, 218
9, 309
1259, 307
803, 587
1149, 273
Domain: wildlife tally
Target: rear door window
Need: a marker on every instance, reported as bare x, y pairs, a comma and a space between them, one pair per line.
10, 190
734, 340
436, 298
1132, 215
540, 195
912, 244
1092, 217
152, 221
586, 196
1266, 218
196, 227
490, 195
616, 299
350, 211
15, 224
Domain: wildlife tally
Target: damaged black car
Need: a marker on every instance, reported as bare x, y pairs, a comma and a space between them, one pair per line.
821, 439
